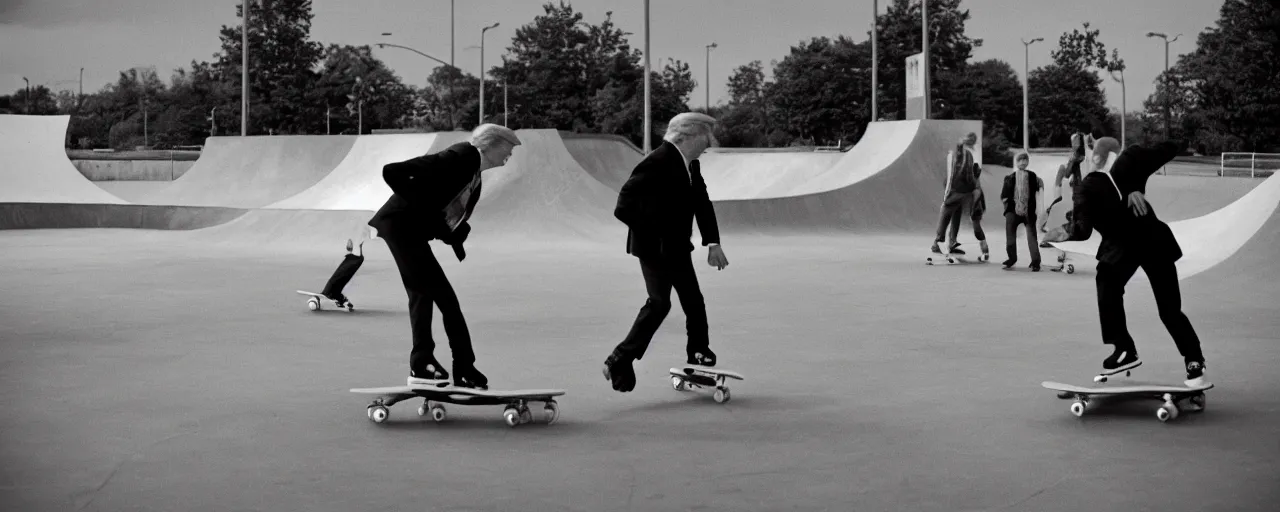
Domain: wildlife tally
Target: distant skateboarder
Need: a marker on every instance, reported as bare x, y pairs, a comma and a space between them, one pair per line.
659, 204
343, 274
434, 196
1070, 171
1114, 203
963, 190
1019, 197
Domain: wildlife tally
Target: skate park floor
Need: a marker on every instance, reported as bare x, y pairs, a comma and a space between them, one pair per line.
145, 372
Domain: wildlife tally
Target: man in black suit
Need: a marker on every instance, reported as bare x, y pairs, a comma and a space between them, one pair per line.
1114, 203
659, 203
433, 197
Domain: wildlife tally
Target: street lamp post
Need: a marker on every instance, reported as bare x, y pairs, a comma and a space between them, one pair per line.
924, 49
27, 93
80, 98
482, 73
1026, 83
1167, 86
875, 62
244, 68
647, 121
708, 74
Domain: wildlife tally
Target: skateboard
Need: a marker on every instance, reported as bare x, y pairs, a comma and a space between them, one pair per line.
955, 259
314, 302
690, 377
1170, 394
516, 402
1063, 265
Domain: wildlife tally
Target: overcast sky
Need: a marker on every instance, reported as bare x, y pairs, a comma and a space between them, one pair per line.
48, 41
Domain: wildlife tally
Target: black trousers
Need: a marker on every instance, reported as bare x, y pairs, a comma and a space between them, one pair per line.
660, 276
1163, 275
1011, 223
425, 283
952, 209
341, 276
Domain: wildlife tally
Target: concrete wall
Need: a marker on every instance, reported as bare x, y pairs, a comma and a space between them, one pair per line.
132, 170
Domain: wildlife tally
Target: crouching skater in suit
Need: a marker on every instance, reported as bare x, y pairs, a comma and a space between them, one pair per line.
659, 203
1114, 203
433, 197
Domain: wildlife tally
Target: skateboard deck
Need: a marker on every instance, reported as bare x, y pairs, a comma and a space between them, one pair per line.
516, 402
314, 302
690, 377
1171, 394
955, 259
1085, 249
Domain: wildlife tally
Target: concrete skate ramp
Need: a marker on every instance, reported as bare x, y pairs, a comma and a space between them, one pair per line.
252, 172
540, 194
356, 182
607, 158
891, 181
762, 173
1209, 239
543, 191
123, 216
34, 167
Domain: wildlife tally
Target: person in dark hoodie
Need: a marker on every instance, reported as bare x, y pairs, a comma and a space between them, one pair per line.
433, 197
1114, 203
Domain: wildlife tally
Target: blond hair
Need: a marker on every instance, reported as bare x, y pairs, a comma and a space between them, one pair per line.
688, 125
486, 135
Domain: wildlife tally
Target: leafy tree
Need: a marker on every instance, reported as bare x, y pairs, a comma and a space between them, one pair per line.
1229, 83
282, 59
1065, 99
1085, 50
899, 37
361, 90
988, 90
821, 90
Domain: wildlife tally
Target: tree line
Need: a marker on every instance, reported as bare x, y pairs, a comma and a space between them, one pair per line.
560, 71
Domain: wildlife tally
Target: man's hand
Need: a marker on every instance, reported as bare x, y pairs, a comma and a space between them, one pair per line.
1138, 203
715, 257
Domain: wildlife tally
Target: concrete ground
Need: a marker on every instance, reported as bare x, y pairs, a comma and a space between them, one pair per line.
147, 373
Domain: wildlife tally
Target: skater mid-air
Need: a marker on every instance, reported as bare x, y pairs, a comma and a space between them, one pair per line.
1114, 203
659, 204
433, 197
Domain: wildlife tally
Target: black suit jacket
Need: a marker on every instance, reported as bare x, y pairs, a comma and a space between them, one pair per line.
423, 187
659, 203
1099, 205
1008, 195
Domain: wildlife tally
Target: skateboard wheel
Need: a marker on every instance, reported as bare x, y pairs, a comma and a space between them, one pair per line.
1166, 412
438, 413
1199, 401
378, 414
313, 304
550, 413
511, 417
350, 307
721, 395
676, 383
1071, 269
1077, 408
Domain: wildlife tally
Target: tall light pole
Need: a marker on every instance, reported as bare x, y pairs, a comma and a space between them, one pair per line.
1123, 108
452, 40
80, 98
647, 121
708, 84
924, 49
1026, 83
27, 93
875, 62
244, 68
482, 73
1167, 86
504, 100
